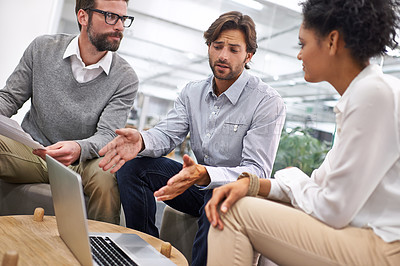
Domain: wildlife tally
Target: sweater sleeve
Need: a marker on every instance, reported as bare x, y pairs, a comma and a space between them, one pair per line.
18, 88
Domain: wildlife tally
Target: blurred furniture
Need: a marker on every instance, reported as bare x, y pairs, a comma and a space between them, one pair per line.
24, 198
179, 229
38, 242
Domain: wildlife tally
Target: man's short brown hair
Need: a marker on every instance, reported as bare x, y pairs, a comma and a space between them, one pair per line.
234, 20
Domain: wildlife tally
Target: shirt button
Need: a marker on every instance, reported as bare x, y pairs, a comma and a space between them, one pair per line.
213, 113
208, 135
206, 156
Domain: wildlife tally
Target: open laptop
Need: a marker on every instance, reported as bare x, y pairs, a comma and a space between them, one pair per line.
70, 211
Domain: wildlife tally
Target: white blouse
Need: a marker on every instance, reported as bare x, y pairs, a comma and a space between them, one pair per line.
358, 183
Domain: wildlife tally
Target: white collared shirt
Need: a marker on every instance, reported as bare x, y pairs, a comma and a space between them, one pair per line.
84, 73
358, 183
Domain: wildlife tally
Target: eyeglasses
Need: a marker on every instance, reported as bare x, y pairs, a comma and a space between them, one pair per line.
112, 18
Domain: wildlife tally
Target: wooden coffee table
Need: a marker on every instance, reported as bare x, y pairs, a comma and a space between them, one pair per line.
38, 243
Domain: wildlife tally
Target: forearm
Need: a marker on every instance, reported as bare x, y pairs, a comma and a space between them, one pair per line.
157, 142
265, 188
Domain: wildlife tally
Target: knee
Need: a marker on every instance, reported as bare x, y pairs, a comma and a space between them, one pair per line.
131, 170
242, 208
102, 181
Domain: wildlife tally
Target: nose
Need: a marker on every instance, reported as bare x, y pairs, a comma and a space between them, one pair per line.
223, 55
299, 55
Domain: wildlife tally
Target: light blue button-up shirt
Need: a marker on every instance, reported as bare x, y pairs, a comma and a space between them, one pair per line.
236, 132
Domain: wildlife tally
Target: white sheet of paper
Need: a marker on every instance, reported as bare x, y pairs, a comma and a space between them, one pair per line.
11, 129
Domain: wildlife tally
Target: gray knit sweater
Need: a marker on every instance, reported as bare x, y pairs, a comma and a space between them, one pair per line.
62, 108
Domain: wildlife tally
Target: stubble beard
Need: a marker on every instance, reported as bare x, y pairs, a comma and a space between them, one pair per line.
232, 74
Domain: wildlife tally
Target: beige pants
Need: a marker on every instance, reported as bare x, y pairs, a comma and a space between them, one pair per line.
19, 165
288, 236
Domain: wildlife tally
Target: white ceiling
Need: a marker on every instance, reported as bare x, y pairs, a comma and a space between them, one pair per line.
166, 48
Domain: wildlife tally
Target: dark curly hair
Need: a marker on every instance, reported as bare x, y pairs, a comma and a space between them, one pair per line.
231, 21
367, 26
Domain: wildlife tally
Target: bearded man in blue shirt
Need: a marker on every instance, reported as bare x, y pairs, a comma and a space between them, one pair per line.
234, 120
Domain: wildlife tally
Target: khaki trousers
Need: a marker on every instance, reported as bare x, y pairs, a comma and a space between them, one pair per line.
19, 165
289, 236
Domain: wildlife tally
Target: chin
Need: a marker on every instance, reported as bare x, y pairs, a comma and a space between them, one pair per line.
310, 79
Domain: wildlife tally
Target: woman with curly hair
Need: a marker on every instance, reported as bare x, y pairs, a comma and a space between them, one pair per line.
348, 212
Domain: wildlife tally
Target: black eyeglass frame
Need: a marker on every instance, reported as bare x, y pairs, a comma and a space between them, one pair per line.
106, 13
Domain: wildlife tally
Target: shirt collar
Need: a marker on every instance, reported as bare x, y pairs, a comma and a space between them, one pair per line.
73, 49
371, 69
235, 90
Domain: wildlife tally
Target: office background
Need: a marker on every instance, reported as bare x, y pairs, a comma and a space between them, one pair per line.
166, 48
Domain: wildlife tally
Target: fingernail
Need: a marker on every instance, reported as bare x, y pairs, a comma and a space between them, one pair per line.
224, 208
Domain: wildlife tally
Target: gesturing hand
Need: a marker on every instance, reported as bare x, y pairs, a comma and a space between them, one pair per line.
190, 174
225, 196
121, 149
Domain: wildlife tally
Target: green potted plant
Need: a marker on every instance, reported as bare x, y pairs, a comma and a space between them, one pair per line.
300, 149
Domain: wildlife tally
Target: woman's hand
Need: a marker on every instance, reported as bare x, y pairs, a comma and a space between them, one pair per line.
225, 196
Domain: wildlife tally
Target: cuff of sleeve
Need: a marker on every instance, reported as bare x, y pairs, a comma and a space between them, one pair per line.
84, 151
284, 180
147, 145
213, 172
201, 187
275, 193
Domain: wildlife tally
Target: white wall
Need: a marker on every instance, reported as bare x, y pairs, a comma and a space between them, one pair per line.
21, 21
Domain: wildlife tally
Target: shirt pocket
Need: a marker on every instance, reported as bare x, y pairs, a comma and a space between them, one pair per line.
235, 129
231, 139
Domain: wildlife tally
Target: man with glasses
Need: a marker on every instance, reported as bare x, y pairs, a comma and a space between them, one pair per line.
80, 93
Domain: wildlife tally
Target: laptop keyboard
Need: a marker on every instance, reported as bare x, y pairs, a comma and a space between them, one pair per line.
106, 252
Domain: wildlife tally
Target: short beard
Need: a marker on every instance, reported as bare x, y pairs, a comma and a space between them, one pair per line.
100, 40
230, 75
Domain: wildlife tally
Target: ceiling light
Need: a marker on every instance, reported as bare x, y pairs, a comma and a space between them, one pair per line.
290, 4
250, 3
